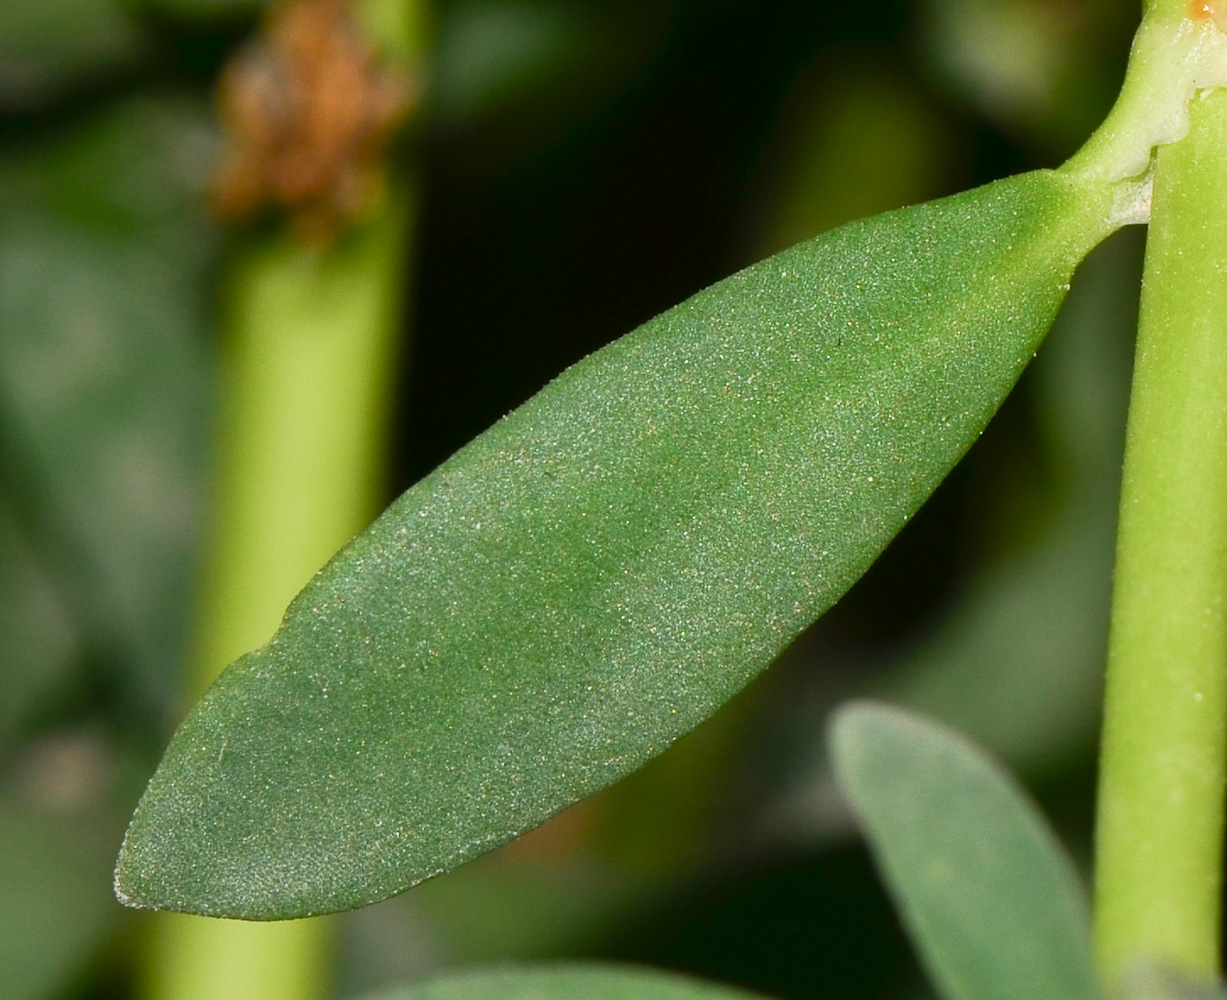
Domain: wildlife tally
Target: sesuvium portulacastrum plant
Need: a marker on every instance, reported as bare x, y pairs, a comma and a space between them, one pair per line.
599, 571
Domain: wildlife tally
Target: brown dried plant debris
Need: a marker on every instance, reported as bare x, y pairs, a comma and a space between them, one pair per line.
307, 111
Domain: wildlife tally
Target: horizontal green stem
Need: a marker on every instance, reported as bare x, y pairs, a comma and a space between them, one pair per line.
1160, 824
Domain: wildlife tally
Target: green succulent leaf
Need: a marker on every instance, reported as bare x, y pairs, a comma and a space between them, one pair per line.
991, 900
599, 571
565, 982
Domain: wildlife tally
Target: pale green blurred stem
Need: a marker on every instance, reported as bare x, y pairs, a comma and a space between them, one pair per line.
1160, 826
309, 350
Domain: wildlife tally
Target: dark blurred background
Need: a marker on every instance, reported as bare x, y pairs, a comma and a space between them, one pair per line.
582, 166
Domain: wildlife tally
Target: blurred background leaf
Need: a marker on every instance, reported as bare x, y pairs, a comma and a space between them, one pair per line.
564, 981
39, 638
104, 375
48, 46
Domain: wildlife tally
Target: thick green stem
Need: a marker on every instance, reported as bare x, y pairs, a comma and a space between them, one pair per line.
1160, 825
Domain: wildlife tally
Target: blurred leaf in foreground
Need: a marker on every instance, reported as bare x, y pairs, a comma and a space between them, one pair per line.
566, 982
991, 900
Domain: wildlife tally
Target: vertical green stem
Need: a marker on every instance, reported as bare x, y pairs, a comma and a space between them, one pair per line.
1160, 825
309, 344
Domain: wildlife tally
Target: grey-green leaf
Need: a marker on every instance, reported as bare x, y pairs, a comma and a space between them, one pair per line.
991, 900
599, 571
565, 982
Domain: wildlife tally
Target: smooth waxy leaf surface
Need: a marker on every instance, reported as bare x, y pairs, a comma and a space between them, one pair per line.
592, 982
990, 898
599, 571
